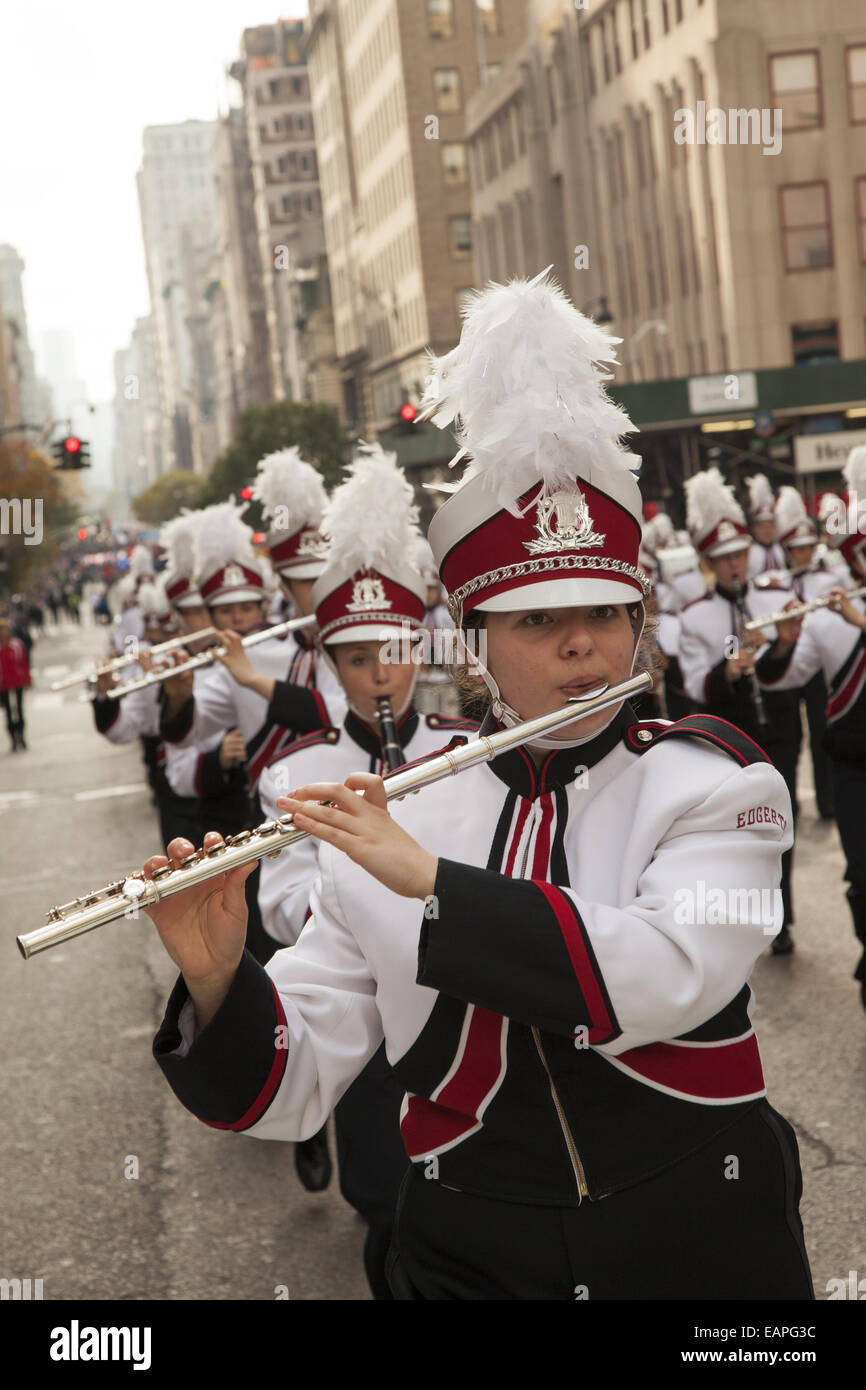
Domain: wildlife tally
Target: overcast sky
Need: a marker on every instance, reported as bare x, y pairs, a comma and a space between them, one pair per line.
78, 83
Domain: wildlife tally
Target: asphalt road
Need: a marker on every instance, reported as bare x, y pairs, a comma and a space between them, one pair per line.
219, 1216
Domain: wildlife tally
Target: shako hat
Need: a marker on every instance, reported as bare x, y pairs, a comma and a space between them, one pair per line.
371, 589
227, 569
853, 543
761, 501
793, 523
548, 513
714, 516
178, 538
293, 498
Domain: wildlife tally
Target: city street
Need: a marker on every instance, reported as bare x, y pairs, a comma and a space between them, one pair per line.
218, 1216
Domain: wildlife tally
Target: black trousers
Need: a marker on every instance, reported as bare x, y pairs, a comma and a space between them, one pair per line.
848, 783
689, 1233
814, 696
372, 1159
14, 722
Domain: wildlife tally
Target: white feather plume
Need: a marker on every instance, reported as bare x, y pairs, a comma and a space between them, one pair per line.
152, 599
141, 563
221, 537
371, 519
760, 493
125, 588
709, 500
657, 533
790, 510
524, 386
283, 479
830, 505
178, 539
854, 471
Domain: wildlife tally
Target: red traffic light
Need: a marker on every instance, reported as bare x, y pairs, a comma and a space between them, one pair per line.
408, 412
258, 537
247, 494
82, 533
71, 444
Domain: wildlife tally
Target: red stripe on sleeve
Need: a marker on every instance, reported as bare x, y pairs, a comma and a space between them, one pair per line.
275, 1076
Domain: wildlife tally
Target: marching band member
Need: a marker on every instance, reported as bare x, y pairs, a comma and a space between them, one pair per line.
572, 1034
247, 691
717, 663
368, 602
213, 771
766, 553
672, 700
137, 715
128, 626
831, 640
810, 579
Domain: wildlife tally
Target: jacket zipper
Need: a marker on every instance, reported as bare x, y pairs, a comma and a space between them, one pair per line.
577, 1166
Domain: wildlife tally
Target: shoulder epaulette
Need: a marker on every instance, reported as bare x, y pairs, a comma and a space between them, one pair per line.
727, 737
451, 721
456, 742
307, 741
700, 599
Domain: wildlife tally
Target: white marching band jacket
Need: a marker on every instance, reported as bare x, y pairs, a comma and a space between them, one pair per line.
308, 696
330, 756
707, 625
569, 1013
830, 644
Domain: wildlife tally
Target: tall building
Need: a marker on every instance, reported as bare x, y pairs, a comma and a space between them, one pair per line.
136, 459
24, 399
695, 169
390, 83
235, 292
272, 72
177, 201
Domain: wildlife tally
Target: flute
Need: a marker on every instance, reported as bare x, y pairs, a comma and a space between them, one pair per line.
797, 610
208, 657
126, 896
392, 753
118, 662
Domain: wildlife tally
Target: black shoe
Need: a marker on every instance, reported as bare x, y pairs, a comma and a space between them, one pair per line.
783, 944
313, 1162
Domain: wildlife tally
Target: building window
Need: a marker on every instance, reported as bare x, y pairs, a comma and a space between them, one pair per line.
506, 138
446, 86
605, 56
590, 67
679, 11
815, 342
666, 19
296, 84
856, 69
614, 36
795, 89
633, 26
460, 237
454, 164
805, 218
440, 19
488, 12
860, 210
644, 4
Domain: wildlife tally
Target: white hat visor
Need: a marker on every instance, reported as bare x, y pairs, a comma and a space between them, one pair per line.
561, 593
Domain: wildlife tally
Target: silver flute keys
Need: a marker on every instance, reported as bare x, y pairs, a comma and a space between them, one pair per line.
128, 896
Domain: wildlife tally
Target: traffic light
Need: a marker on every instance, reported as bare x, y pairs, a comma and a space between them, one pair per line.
405, 417
247, 494
71, 452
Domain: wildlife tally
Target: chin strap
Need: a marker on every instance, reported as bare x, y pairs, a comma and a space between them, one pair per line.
510, 717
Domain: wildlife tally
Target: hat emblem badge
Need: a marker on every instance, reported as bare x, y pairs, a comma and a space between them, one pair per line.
233, 576
313, 544
368, 593
563, 522
727, 530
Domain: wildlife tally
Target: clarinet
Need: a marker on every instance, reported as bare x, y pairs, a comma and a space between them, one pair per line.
392, 753
754, 684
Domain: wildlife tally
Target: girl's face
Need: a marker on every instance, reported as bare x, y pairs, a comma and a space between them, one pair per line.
240, 617
364, 677
541, 658
301, 594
